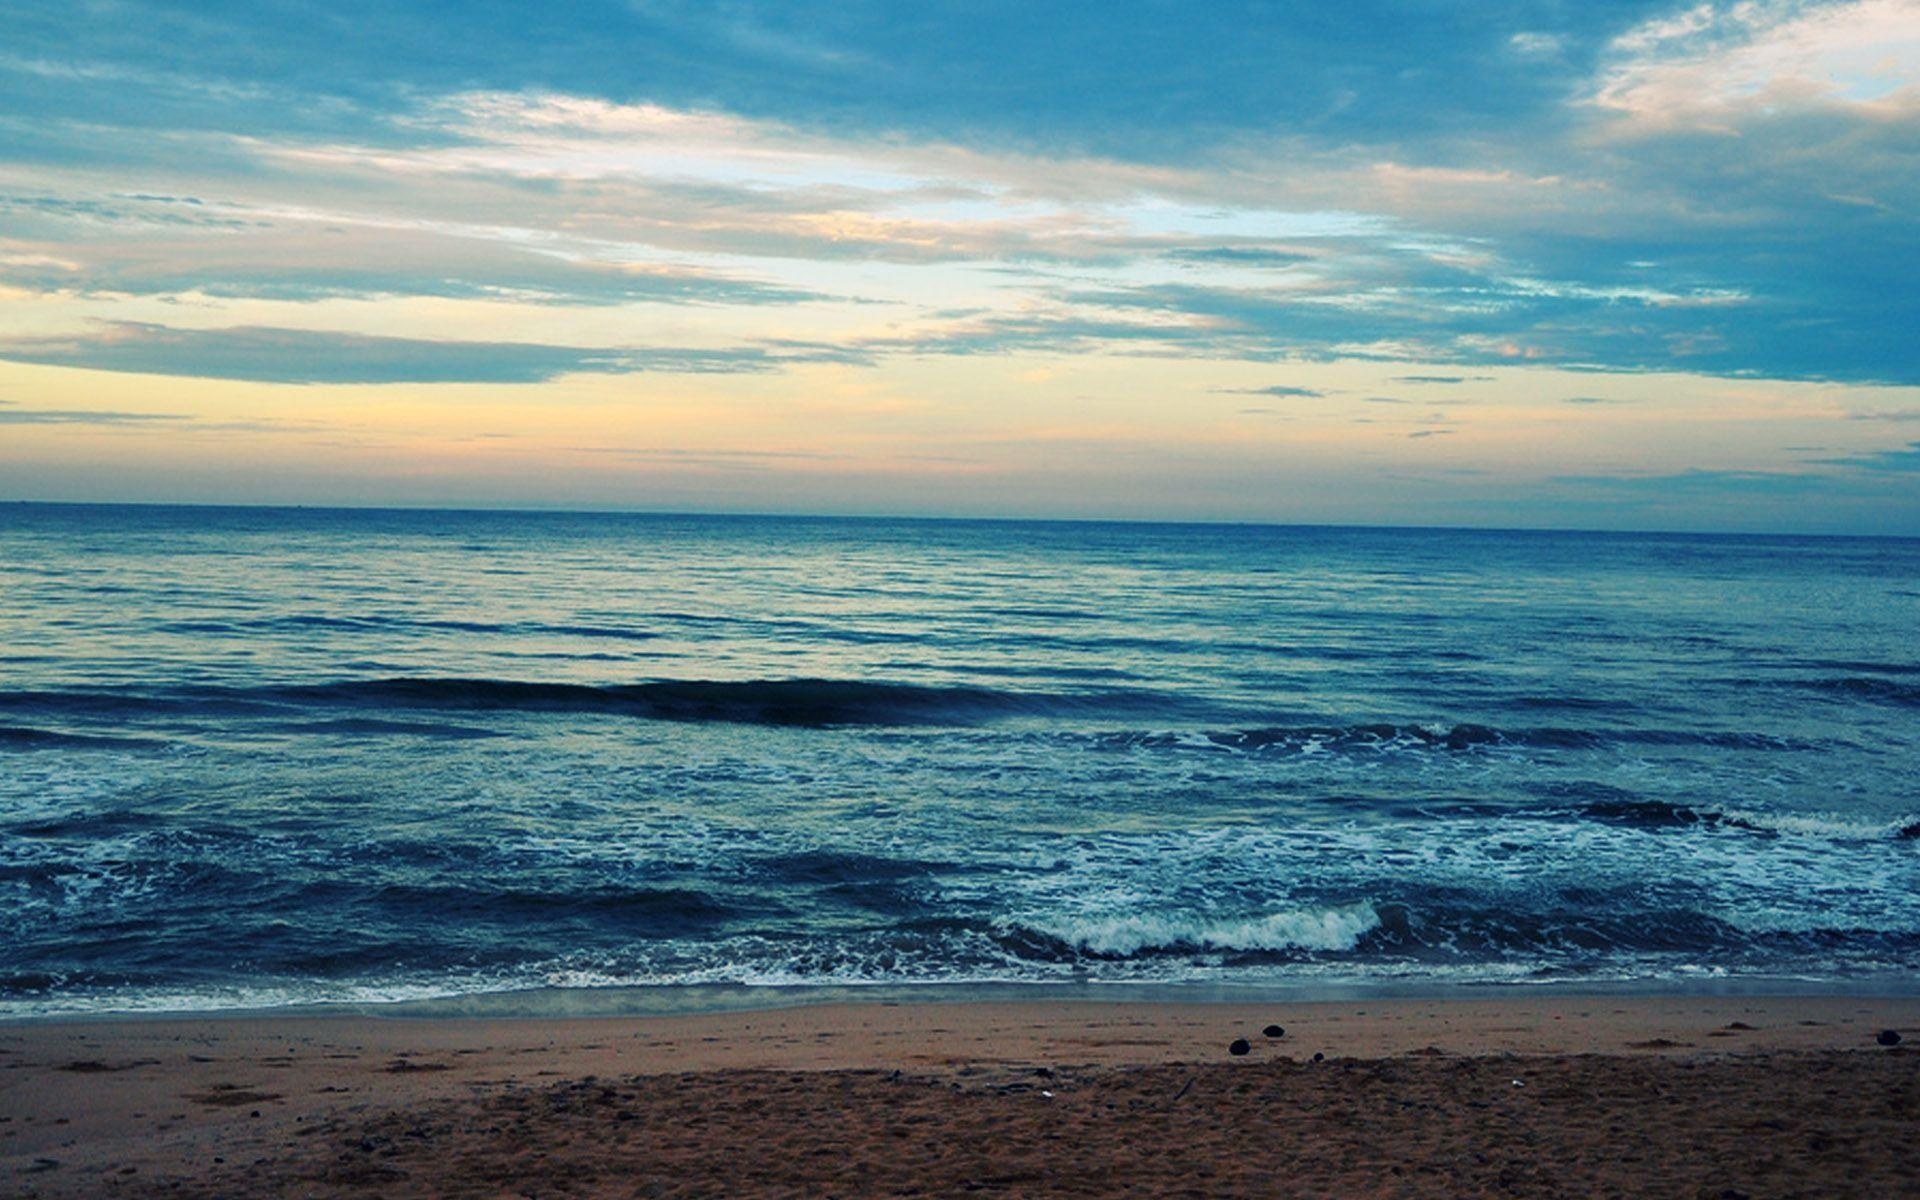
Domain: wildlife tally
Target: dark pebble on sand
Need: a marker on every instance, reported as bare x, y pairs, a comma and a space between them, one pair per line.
1239, 1046
1888, 1037
1274, 1031
1319, 1057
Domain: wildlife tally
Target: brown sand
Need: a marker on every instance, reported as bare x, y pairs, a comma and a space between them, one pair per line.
1549, 1095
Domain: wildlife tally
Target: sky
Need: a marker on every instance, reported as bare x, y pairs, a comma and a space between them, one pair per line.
1529, 263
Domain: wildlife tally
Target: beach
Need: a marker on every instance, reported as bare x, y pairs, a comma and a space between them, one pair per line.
1547, 1094
771, 599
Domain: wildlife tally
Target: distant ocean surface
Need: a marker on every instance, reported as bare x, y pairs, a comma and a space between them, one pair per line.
263, 757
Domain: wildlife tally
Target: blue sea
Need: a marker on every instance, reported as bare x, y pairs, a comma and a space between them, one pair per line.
260, 757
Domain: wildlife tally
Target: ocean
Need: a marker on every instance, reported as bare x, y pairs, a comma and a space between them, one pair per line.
263, 757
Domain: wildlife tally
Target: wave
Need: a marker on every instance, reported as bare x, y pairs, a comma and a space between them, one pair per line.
375, 727
788, 702
796, 702
1365, 736
833, 867
1567, 703
307, 622
1662, 814
1388, 736
1861, 666
641, 911
1134, 934
17, 737
1869, 687
818, 702
1453, 737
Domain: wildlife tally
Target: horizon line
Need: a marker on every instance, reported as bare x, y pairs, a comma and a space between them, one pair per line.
948, 518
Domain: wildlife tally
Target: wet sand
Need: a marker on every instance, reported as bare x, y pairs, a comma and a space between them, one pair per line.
1539, 1095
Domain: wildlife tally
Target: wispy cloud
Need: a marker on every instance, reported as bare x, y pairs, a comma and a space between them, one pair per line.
11, 415
269, 355
1239, 256
1902, 460
259, 252
1703, 482
1282, 390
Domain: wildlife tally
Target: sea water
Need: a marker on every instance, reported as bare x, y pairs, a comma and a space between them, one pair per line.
255, 757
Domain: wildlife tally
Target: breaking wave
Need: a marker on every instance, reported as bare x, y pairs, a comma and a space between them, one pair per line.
1658, 814
1133, 934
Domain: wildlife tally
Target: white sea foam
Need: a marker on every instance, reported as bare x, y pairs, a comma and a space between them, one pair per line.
1830, 826
1332, 928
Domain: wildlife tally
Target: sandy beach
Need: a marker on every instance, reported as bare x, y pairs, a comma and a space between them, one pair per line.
1549, 1095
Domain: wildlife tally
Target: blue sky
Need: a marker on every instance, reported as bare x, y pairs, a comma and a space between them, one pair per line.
1624, 265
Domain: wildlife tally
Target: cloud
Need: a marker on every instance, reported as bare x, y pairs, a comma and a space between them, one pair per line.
1279, 389
1704, 482
1534, 218
11, 415
269, 255
1137, 76
1902, 460
1712, 67
1441, 378
1239, 256
1529, 44
269, 355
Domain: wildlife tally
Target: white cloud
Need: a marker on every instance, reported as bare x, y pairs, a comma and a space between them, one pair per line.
1536, 45
1713, 66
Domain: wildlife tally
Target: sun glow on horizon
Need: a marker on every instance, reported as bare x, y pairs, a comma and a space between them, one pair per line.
1656, 291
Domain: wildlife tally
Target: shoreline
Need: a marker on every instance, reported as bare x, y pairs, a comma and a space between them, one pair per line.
113, 1106
668, 1000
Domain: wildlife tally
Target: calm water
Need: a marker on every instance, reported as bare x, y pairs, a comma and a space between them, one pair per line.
257, 757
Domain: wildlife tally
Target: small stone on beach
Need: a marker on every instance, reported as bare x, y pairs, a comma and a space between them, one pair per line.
1274, 1031
1239, 1046
1888, 1037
